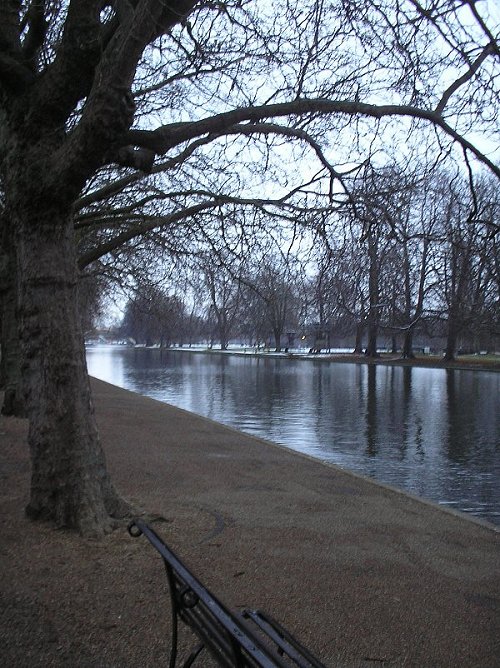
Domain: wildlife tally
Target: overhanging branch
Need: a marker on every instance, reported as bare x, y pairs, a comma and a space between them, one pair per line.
137, 231
167, 137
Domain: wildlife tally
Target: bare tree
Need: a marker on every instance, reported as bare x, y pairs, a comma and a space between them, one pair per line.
86, 85
466, 270
275, 280
153, 316
223, 288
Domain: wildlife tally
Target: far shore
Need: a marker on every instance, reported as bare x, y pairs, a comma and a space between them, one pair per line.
488, 362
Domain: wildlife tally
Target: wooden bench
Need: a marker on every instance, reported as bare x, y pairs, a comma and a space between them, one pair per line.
234, 639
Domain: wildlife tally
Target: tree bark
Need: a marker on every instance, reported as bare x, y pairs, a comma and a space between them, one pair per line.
408, 345
358, 345
371, 348
419, 307
13, 403
451, 337
373, 287
277, 340
10, 370
70, 484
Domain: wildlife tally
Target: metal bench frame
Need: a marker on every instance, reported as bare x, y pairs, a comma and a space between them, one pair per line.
235, 639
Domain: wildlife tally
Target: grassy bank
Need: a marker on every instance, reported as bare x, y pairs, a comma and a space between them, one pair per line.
489, 362
477, 362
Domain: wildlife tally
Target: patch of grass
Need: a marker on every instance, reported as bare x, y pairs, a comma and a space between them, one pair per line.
484, 362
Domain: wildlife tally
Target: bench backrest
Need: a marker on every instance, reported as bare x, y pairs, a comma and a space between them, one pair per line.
247, 638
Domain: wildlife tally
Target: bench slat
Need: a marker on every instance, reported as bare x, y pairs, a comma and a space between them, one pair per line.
283, 639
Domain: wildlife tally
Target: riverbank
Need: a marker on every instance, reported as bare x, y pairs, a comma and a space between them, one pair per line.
462, 362
364, 575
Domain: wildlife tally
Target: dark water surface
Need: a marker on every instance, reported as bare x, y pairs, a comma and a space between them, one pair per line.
432, 432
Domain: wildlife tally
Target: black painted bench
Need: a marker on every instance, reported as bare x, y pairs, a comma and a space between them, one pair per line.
235, 639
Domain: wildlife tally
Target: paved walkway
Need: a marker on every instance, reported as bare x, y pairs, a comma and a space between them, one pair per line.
364, 576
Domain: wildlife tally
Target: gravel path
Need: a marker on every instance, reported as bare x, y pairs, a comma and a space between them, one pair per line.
363, 575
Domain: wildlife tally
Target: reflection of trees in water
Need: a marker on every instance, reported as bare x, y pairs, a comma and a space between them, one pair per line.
419, 443
431, 431
277, 389
472, 419
337, 397
366, 406
320, 379
405, 392
273, 384
371, 412
461, 419
391, 419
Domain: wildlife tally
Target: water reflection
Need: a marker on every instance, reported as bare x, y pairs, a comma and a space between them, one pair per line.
433, 432
371, 413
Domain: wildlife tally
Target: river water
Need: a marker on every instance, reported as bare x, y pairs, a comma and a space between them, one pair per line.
432, 432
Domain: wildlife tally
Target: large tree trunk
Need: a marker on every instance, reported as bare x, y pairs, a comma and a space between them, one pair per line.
371, 348
10, 371
277, 340
70, 484
408, 345
223, 331
451, 338
13, 403
358, 345
373, 287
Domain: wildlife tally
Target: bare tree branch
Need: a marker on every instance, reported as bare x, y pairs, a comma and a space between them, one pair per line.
488, 50
167, 137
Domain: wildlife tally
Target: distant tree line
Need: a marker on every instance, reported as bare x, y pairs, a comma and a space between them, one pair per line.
414, 259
